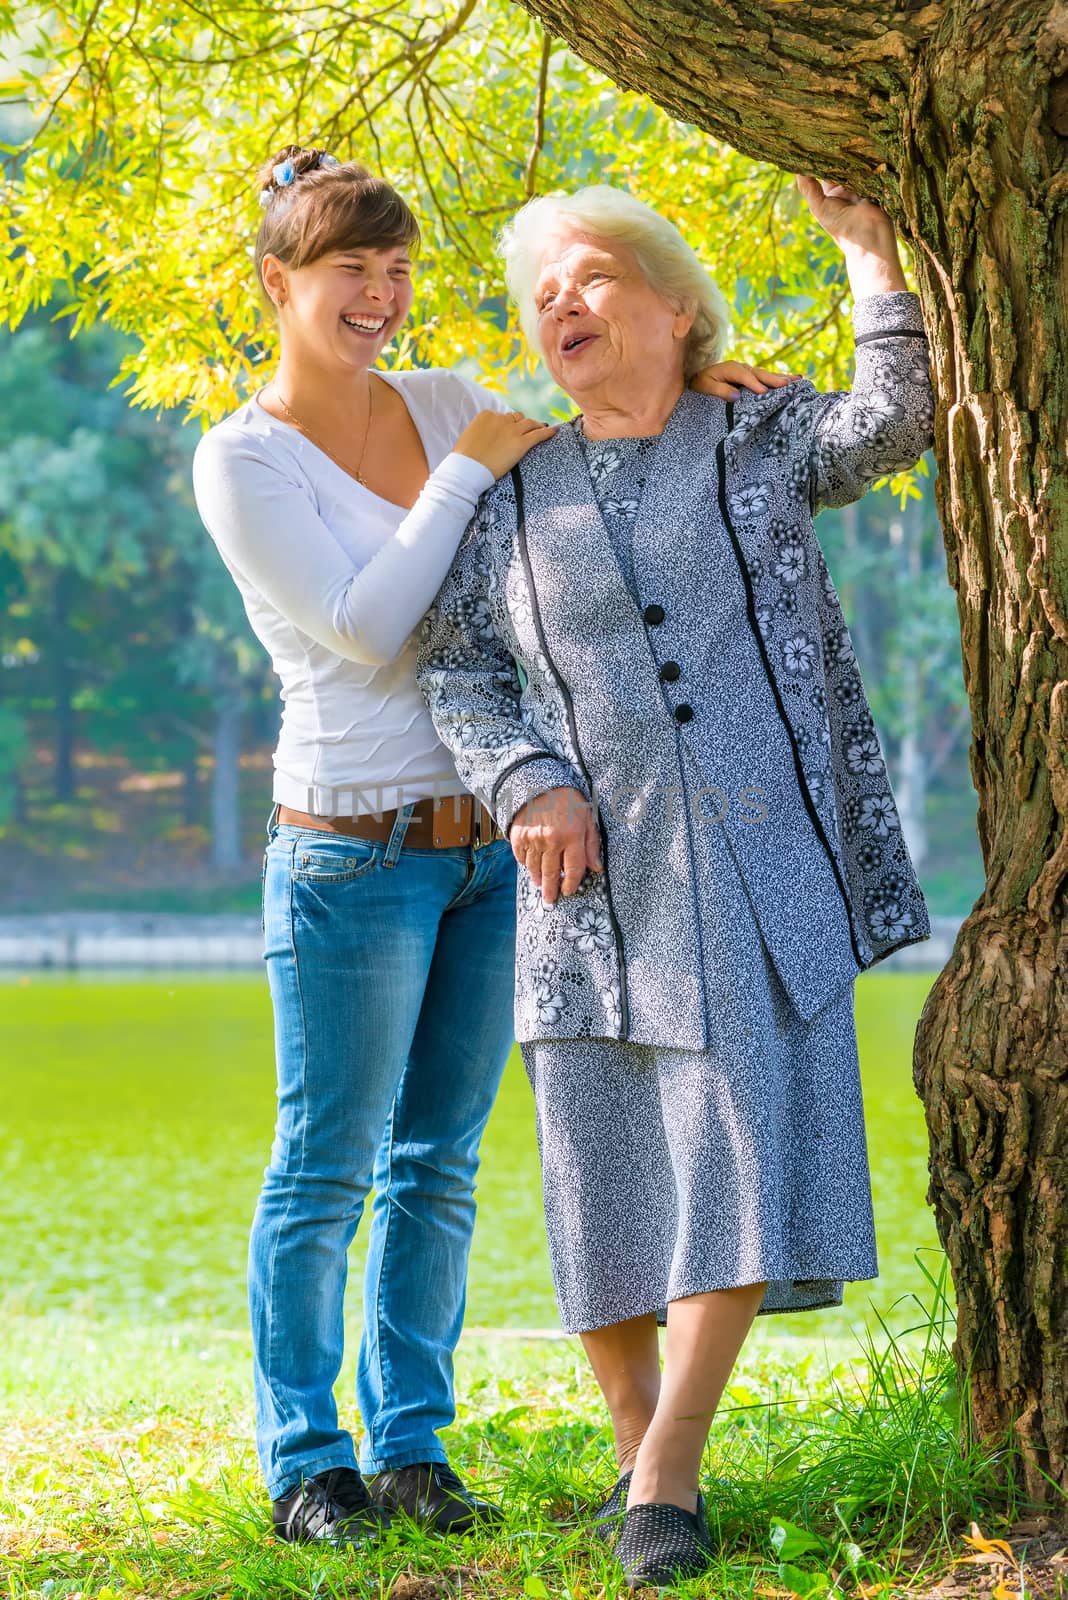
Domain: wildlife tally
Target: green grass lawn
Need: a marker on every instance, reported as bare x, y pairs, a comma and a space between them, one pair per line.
136, 1119
128, 1469
135, 1123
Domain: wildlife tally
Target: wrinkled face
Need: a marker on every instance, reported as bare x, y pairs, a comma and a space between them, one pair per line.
602, 326
347, 306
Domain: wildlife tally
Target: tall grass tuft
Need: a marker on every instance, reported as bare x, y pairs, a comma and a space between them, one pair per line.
870, 1475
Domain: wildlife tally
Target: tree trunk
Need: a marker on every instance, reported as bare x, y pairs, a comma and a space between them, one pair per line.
225, 781
911, 787
985, 198
63, 686
953, 115
19, 816
906, 530
857, 599
191, 787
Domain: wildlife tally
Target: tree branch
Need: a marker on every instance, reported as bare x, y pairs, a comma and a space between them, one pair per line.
777, 82
530, 175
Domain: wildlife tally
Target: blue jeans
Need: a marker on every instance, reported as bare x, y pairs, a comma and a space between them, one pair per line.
391, 973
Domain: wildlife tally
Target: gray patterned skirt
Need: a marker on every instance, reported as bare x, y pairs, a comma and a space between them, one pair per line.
669, 1173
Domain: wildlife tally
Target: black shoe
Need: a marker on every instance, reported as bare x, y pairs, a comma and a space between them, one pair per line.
335, 1506
609, 1517
432, 1495
663, 1544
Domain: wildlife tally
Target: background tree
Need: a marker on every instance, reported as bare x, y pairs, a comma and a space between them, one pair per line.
953, 115
117, 620
73, 525
221, 656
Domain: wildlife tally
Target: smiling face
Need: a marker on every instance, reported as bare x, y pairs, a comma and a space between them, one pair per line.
604, 330
343, 309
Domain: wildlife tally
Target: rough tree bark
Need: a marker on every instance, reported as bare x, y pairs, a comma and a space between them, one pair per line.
954, 117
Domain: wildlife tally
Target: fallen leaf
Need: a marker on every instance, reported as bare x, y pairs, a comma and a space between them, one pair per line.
408, 1586
987, 1546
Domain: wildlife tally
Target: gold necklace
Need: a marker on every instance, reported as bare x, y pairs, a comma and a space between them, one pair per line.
357, 473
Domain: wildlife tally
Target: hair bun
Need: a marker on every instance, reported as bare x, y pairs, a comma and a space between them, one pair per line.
294, 161
298, 159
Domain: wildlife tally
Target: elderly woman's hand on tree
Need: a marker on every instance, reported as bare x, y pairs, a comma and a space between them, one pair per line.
556, 834
726, 379
862, 231
846, 215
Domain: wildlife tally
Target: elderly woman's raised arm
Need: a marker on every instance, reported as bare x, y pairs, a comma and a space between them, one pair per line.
470, 683
884, 423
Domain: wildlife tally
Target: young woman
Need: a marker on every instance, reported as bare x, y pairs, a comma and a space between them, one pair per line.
337, 496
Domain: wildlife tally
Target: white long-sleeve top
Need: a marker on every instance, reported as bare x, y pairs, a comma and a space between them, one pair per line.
334, 580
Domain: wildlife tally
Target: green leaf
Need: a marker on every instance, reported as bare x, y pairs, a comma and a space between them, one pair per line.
503, 1418
788, 1541
803, 1583
535, 1587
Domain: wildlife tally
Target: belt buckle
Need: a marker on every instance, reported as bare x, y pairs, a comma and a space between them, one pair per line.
450, 832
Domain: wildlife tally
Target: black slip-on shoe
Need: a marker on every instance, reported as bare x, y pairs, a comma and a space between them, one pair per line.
334, 1506
432, 1495
608, 1518
662, 1544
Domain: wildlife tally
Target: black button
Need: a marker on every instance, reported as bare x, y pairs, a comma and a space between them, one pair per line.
684, 713
670, 671
654, 615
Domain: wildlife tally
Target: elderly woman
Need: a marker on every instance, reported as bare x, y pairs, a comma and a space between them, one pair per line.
691, 781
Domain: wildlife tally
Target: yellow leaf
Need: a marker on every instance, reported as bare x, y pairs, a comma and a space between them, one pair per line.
987, 1546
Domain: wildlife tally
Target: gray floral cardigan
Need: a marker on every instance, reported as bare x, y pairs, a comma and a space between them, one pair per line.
536, 585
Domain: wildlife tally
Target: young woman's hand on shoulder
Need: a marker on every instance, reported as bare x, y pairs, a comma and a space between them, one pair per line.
499, 439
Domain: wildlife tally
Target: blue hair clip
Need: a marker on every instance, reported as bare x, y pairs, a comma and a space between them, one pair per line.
285, 173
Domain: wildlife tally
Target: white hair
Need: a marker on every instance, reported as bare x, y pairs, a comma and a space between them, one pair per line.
666, 260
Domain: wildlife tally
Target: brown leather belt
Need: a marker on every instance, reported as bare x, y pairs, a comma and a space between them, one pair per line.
436, 824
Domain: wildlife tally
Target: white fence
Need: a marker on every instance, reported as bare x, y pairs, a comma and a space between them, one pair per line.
72, 940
